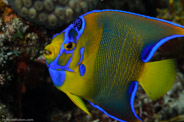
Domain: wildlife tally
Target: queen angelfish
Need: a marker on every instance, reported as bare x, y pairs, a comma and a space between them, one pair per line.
103, 55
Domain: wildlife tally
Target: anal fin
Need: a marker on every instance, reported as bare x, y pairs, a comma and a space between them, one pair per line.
119, 106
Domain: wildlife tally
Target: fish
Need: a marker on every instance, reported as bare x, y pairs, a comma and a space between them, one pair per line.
103, 55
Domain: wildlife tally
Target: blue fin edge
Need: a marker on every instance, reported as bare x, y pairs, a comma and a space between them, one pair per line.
156, 46
95, 11
135, 85
101, 109
162, 41
133, 93
148, 17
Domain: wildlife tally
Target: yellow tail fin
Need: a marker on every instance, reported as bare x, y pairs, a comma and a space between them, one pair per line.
158, 77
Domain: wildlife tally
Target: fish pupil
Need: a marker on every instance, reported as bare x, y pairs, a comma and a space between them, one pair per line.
69, 45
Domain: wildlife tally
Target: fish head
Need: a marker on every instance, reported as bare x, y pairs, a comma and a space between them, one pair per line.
60, 54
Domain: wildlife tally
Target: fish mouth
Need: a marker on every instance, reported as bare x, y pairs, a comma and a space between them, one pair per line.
49, 52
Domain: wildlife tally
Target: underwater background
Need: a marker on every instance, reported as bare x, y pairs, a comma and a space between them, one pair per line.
26, 90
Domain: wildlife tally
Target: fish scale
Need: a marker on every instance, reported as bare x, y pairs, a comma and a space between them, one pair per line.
116, 69
132, 60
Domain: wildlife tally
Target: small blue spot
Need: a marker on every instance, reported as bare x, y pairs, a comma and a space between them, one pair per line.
82, 69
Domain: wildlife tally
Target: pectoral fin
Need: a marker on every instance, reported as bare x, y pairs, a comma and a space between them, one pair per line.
78, 102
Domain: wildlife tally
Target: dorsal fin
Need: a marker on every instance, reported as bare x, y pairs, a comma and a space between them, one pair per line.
151, 48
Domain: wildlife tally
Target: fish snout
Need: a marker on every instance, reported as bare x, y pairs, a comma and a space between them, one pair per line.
49, 53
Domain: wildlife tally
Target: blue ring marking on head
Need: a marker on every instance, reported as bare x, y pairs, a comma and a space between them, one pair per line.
101, 109
65, 41
69, 51
148, 17
82, 28
157, 45
58, 77
66, 67
55, 66
71, 26
81, 55
82, 69
135, 85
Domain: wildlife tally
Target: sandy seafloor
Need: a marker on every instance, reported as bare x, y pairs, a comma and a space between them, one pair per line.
28, 94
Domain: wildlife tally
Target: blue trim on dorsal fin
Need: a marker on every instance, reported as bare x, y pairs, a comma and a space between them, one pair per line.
148, 17
149, 51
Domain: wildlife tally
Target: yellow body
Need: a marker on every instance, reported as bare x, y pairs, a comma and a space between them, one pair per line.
116, 49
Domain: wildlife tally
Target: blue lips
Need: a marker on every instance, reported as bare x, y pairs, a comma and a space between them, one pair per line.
58, 77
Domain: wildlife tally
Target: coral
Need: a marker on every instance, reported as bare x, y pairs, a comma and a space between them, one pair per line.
173, 49
16, 38
130, 5
2, 80
174, 12
5, 114
51, 13
32, 13
6, 12
38, 5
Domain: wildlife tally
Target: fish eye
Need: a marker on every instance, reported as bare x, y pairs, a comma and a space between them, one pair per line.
69, 46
